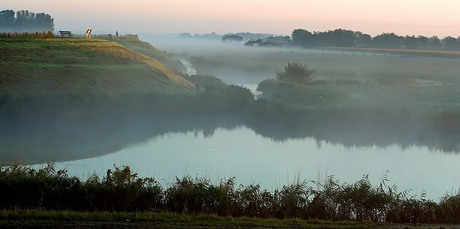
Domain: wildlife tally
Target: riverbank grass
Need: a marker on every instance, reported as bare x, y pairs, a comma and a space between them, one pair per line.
23, 218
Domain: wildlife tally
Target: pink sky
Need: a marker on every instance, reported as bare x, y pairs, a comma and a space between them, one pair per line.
404, 17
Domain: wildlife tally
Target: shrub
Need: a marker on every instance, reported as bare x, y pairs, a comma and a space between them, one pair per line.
296, 73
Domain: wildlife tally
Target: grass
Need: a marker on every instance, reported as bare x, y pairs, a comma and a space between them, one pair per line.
18, 218
391, 95
33, 65
148, 50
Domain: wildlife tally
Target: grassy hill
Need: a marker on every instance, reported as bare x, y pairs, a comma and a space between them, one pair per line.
147, 49
96, 66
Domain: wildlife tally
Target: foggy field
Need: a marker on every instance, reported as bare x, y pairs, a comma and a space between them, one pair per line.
393, 78
328, 63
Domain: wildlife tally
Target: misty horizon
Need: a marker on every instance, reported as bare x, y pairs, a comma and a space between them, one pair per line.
268, 92
273, 17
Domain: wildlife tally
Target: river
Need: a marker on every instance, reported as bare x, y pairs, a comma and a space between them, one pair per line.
252, 157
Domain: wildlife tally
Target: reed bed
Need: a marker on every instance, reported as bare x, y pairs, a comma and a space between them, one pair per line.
121, 190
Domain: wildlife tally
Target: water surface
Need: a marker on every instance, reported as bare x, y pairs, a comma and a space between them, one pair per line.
251, 158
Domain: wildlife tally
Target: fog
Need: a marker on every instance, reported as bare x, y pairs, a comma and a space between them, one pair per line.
358, 101
400, 92
204, 51
404, 80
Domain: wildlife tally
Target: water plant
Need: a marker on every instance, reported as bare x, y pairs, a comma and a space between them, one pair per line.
121, 190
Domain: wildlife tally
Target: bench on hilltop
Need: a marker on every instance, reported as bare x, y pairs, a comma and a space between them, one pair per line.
65, 33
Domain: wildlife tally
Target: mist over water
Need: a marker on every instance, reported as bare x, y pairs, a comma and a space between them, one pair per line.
251, 158
415, 160
419, 157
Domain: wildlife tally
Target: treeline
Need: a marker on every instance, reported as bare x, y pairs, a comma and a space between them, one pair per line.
25, 21
24, 187
349, 38
231, 38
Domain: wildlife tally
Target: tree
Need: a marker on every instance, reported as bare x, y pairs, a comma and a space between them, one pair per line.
295, 73
251, 42
410, 42
450, 43
361, 40
423, 42
7, 18
388, 40
348, 38
342, 38
303, 38
337, 38
185, 35
435, 42
25, 21
44, 21
232, 38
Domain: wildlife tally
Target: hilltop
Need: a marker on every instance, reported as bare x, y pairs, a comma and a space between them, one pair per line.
83, 66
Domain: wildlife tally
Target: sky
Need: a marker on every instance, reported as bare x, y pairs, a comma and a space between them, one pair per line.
281, 17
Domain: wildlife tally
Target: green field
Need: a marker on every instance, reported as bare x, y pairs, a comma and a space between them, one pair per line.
44, 66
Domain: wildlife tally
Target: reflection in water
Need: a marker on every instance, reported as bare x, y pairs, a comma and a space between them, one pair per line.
72, 138
252, 158
218, 146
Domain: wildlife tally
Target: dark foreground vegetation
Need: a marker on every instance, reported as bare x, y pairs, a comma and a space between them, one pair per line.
70, 219
121, 190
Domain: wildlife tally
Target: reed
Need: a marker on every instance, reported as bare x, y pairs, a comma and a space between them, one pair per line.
121, 190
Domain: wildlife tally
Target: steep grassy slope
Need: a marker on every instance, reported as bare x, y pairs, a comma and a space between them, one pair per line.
147, 49
82, 66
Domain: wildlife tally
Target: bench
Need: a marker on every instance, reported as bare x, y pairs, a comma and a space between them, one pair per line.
65, 33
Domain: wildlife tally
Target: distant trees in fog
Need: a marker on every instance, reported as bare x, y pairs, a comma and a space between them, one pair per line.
270, 41
25, 21
209, 36
349, 38
337, 38
232, 38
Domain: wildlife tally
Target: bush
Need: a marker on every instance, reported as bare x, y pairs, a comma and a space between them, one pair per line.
296, 73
